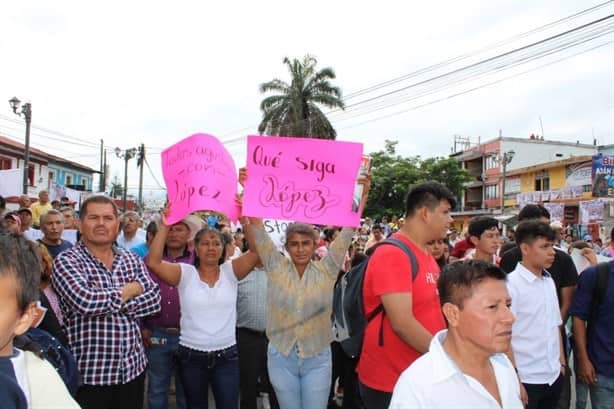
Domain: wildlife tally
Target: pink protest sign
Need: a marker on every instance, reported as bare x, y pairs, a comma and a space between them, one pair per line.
307, 180
200, 175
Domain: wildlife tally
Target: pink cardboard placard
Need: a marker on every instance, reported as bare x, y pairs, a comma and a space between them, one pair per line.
307, 180
200, 174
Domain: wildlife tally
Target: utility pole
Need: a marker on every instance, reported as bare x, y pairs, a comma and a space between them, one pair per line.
140, 164
505, 158
126, 155
26, 111
105, 171
101, 182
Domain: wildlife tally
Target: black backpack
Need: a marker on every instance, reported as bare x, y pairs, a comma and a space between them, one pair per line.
349, 318
601, 285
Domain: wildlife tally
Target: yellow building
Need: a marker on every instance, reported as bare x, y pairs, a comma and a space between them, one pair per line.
566, 181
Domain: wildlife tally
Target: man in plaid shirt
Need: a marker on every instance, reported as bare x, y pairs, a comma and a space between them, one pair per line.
103, 292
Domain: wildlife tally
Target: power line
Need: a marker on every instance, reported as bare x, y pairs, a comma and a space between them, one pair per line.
152, 174
479, 51
444, 83
475, 88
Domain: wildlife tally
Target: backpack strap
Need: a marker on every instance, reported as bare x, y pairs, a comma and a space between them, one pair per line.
414, 273
601, 285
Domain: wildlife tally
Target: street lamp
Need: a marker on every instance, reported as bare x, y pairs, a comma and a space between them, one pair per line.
26, 111
126, 155
505, 160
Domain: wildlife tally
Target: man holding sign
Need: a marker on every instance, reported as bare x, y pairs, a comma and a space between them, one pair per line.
299, 305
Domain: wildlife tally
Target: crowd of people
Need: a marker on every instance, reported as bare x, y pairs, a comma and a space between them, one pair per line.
487, 321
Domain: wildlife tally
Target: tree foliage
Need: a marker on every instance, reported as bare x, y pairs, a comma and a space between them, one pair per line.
295, 108
392, 176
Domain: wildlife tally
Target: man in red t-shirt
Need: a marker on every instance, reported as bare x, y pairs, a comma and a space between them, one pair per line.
413, 313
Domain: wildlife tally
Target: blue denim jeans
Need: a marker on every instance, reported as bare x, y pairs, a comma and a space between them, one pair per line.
162, 362
300, 383
602, 393
220, 368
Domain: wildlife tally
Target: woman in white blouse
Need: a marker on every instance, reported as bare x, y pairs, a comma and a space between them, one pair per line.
208, 299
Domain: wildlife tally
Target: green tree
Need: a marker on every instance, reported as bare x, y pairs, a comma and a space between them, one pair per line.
295, 108
392, 176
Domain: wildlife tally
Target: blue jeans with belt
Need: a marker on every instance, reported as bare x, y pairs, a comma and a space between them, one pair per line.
198, 369
300, 383
162, 362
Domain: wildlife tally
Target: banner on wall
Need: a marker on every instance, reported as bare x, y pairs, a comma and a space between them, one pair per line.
603, 175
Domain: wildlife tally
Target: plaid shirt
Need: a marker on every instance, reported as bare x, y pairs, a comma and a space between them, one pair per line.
103, 333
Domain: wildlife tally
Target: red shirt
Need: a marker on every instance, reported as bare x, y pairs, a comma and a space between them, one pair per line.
389, 271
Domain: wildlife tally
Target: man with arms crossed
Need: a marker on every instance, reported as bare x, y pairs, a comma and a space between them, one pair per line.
104, 290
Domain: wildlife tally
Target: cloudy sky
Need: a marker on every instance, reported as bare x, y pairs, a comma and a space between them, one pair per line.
153, 72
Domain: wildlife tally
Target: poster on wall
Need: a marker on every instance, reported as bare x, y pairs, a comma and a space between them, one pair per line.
603, 175
557, 211
592, 212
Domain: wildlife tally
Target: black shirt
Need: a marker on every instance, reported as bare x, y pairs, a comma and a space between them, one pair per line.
563, 270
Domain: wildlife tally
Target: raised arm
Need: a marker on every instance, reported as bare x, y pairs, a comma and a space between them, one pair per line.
169, 272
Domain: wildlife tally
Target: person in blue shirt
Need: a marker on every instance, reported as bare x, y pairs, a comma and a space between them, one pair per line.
594, 348
143, 249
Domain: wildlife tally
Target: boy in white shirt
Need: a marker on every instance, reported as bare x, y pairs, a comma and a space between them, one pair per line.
27, 381
537, 346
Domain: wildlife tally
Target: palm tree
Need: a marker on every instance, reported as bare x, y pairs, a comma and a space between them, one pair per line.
295, 110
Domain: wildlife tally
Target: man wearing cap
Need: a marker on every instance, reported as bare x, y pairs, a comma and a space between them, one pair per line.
25, 215
12, 222
40, 207
161, 331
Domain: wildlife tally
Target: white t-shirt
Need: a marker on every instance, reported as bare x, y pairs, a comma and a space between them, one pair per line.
208, 315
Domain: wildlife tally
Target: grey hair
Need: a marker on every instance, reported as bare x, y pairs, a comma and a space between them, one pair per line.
51, 212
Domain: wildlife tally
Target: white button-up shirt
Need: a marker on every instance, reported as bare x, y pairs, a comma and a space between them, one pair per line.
434, 381
535, 334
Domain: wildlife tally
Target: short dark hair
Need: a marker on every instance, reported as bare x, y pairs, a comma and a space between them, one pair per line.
377, 226
612, 234
531, 230
151, 229
2, 203
100, 199
20, 258
457, 280
480, 224
428, 194
219, 234
533, 211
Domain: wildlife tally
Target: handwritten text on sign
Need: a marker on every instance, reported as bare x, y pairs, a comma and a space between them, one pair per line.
200, 175
308, 180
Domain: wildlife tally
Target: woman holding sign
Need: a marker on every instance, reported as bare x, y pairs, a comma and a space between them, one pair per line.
208, 299
300, 292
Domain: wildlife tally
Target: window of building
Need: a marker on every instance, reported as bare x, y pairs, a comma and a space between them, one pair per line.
492, 162
31, 174
5, 163
542, 181
492, 192
84, 183
50, 179
68, 180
